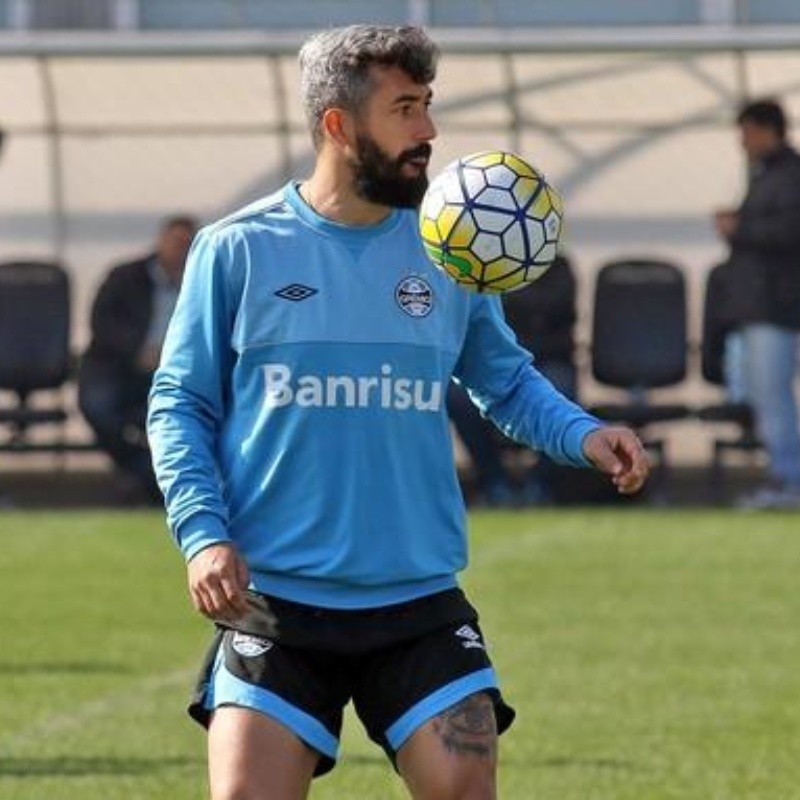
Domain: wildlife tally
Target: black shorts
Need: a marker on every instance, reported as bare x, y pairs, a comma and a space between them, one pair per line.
401, 665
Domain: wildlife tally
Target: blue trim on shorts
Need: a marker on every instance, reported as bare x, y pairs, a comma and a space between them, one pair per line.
226, 689
438, 701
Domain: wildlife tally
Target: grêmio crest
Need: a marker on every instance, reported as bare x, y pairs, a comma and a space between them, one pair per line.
415, 296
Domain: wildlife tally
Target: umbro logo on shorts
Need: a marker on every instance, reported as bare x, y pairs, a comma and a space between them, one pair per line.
250, 646
469, 637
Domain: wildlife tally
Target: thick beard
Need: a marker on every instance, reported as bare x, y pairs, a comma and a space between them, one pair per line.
379, 179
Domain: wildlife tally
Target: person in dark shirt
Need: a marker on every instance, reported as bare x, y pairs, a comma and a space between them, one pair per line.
762, 303
128, 322
543, 317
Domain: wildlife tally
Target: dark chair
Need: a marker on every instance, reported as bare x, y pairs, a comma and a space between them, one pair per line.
34, 346
639, 342
712, 351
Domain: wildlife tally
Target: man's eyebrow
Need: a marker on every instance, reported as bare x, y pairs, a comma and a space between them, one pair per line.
412, 98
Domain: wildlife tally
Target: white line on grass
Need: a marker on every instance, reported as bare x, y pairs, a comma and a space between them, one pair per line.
490, 552
129, 697
514, 544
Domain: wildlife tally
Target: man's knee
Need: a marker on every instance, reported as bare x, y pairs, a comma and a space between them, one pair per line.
232, 788
476, 783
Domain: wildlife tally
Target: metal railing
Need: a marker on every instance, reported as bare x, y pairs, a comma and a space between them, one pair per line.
249, 14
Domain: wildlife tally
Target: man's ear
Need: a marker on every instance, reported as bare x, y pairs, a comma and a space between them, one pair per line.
338, 128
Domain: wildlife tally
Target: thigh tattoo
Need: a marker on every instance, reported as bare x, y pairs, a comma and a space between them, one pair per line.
468, 727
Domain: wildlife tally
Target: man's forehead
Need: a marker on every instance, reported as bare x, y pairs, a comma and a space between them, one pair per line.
394, 82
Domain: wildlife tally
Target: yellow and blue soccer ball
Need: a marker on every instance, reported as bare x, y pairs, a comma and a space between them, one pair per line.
491, 221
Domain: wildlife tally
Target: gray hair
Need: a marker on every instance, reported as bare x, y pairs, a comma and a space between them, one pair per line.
335, 65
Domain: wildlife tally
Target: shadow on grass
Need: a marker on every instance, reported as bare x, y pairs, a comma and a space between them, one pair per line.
555, 762
567, 762
69, 766
361, 760
63, 668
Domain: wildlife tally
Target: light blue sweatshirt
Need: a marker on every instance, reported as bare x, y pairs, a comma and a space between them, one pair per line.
299, 409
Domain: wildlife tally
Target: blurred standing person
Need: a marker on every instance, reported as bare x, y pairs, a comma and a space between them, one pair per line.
129, 320
763, 295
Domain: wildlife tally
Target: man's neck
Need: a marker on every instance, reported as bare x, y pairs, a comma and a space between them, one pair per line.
331, 194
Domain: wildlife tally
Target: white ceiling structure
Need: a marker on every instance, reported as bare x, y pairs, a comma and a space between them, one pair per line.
108, 133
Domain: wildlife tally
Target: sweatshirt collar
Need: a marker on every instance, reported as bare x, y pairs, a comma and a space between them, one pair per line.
338, 229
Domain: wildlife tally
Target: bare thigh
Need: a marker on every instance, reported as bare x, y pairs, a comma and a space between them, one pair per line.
253, 757
454, 755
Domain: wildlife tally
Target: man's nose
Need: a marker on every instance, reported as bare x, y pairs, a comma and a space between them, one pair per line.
428, 129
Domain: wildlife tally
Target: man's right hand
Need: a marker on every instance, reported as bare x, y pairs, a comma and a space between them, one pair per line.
218, 578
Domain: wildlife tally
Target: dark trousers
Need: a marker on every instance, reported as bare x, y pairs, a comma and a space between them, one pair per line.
478, 437
481, 438
113, 399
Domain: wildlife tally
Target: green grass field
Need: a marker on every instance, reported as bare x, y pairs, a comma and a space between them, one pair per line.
649, 655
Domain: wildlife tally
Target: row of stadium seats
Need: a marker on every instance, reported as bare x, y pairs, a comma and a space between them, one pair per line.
35, 355
639, 342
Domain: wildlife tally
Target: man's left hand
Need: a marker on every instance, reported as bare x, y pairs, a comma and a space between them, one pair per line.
618, 452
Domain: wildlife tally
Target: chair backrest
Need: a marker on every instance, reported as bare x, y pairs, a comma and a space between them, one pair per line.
639, 336
714, 327
34, 326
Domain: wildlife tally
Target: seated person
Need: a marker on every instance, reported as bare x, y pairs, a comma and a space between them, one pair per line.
128, 322
543, 317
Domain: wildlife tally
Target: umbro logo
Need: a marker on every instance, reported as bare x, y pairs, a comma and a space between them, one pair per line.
295, 292
469, 637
